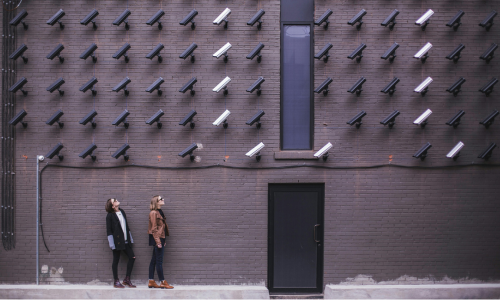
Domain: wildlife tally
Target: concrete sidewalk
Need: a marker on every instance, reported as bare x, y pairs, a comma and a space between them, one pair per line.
141, 292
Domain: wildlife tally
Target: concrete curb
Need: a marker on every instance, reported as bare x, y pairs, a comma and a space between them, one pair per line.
108, 292
435, 291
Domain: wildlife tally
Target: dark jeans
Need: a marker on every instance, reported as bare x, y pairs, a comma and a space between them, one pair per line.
157, 260
116, 258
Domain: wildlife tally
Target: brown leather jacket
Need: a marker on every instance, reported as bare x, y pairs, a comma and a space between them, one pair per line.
157, 226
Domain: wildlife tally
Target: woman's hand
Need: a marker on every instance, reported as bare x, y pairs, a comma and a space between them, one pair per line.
165, 244
159, 245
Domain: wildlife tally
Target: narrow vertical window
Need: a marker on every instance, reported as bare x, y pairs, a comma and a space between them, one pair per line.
296, 82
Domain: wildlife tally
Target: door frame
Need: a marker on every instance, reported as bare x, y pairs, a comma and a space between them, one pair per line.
317, 187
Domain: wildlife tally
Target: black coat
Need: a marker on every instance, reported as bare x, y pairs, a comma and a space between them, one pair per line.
116, 238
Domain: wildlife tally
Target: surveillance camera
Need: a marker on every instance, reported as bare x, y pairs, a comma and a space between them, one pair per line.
122, 52
455, 54
55, 118
189, 86
19, 118
189, 18
122, 151
19, 52
357, 18
56, 52
56, 86
391, 87
422, 54
256, 85
256, 18
88, 151
456, 87
455, 21
324, 19
422, 153
391, 19
423, 21
323, 87
488, 21
222, 119
223, 51
256, 118
122, 85
41, 158
89, 85
390, 53
121, 118
188, 52
188, 119
121, 18
55, 151
19, 19
189, 151
357, 87
19, 86
156, 52
57, 19
488, 54
156, 118
156, 86
455, 120
422, 120
256, 52
88, 118
357, 52
223, 17
89, 52
488, 88
357, 119
455, 152
324, 52
255, 150
90, 18
156, 18
222, 85
489, 119
323, 151
390, 119
423, 87
486, 154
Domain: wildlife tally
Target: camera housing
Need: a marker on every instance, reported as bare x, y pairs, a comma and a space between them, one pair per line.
189, 119
89, 118
189, 86
357, 18
19, 86
390, 53
486, 154
323, 152
156, 52
323, 87
390, 119
55, 151
256, 118
121, 118
89, 52
489, 119
357, 87
324, 52
357, 119
189, 52
57, 19
324, 19
455, 54
391, 87
156, 18
455, 120
156, 86
455, 22
257, 18
122, 18
488, 21
56, 86
456, 87
256, 52
19, 118
122, 85
156, 118
89, 85
189, 151
19, 52
390, 20
88, 151
189, 18
422, 153
55, 118
56, 52
357, 53
19, 18
122, 52
122, 151
90, 18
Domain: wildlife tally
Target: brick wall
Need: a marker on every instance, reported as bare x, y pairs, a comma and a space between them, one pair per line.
386, 221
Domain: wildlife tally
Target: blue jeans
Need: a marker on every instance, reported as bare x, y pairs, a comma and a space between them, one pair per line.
157, 260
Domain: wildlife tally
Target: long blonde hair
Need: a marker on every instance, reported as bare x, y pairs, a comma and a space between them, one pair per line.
154, 203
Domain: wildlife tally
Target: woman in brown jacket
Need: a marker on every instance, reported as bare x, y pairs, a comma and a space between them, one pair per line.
157, 231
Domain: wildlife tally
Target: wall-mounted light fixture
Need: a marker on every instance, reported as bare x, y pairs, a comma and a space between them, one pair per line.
88, 151
189, 52
357, 119
423, 21
122, 151
390, 53
455, 152
223, 17
486, 154
422, 153
256, 86
324, 19
222, 119
256, 52
56, 52
324, 52
455, 22
357, 53
422, 119
489, 53
155, 118
19, 18
122, 85
390, 119
423, 88
391, 20
323, 152
156, 52
19, 118
391, 87
189, 151
455, 54
156, 18
256, 118
488, 21
19, 52
56, 86
156, 86
423, 53
257, 18
89, 85
256, 151
189, 86
121, 118
357, 87
89, 118
455, 120
90, 18
189, 19
323, 87
89, 52
488, 88
357, 18
55, 151
57, 19
123, 18
19, 86
456, 87
55, 118
489, 119
122, 52
189, 119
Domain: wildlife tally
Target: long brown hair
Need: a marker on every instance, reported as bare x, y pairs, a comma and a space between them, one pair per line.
109, 205
154, 203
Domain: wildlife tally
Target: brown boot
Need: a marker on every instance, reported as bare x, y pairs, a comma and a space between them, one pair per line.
164, 285
127, 282
118, 285
152, 284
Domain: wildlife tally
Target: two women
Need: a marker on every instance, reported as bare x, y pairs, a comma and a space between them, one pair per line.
120, 239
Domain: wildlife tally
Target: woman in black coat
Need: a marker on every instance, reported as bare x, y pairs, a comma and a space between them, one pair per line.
119, 239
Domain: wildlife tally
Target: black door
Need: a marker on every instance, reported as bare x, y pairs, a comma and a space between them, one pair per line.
295, 238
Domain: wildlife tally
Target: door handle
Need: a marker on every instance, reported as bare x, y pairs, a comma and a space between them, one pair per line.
315, 233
